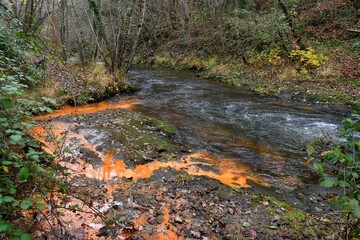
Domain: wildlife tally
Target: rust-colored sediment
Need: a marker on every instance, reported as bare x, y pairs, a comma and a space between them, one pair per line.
231, 172
166, 230
227, 171
141, 221
167, 233
91, 108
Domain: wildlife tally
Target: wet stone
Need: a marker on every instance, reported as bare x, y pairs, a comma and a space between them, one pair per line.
246, 224
231, 211
195, 234
103, 232
159, 219
178, 219
92, 158
317, 209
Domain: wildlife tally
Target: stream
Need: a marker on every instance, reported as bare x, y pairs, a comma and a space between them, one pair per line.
268, 135
181, 157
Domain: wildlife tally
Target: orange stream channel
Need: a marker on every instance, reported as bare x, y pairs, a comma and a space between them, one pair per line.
91, 108
230, 172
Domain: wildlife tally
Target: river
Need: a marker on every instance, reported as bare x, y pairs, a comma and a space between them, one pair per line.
132, 164
269, 135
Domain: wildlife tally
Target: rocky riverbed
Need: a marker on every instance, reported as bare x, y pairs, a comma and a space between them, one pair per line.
130, 178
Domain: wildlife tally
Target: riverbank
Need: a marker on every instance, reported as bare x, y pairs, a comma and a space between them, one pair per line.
71, 84
324, 86
130, 177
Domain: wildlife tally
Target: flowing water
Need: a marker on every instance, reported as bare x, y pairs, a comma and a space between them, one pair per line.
267, 134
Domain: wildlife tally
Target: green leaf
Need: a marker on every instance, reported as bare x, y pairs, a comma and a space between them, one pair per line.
310, 150
26, 204
6, 162
41, 206
357, 212
8, 199
319, 168
328, 182
40, 169
15, 203
6, 103
16, 138
20, 34
26, 236
24, 173
12, 190
355, 175
3, 227
344, 184
49, 100
19, 232
353, 203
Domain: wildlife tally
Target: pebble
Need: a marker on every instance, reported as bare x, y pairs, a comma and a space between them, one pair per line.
231, 211
318, 209
159, 219
276, 218
195, 234
278, 211
178, 219
246, 224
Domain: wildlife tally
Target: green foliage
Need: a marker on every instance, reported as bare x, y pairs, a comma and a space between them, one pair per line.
22, 161
346, 158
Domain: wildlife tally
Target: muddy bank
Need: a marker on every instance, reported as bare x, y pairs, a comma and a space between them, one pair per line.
131, 179
71, 84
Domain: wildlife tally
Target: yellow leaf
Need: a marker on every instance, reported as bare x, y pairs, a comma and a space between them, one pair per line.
5, 168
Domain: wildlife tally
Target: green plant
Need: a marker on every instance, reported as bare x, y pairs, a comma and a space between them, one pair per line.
346, 158
272, 56
25, 169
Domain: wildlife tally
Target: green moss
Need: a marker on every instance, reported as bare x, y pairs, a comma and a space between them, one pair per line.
161, 125
143, 135
185, 176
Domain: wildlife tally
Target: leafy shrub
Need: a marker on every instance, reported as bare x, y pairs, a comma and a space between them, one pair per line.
272, 56
308, 58
346, 158
23, 165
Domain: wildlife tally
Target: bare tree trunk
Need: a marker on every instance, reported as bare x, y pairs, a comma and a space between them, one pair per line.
102, 53
80, 45
184, 16
28, 18
63, 28
170, 10
140, 26
289, 21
